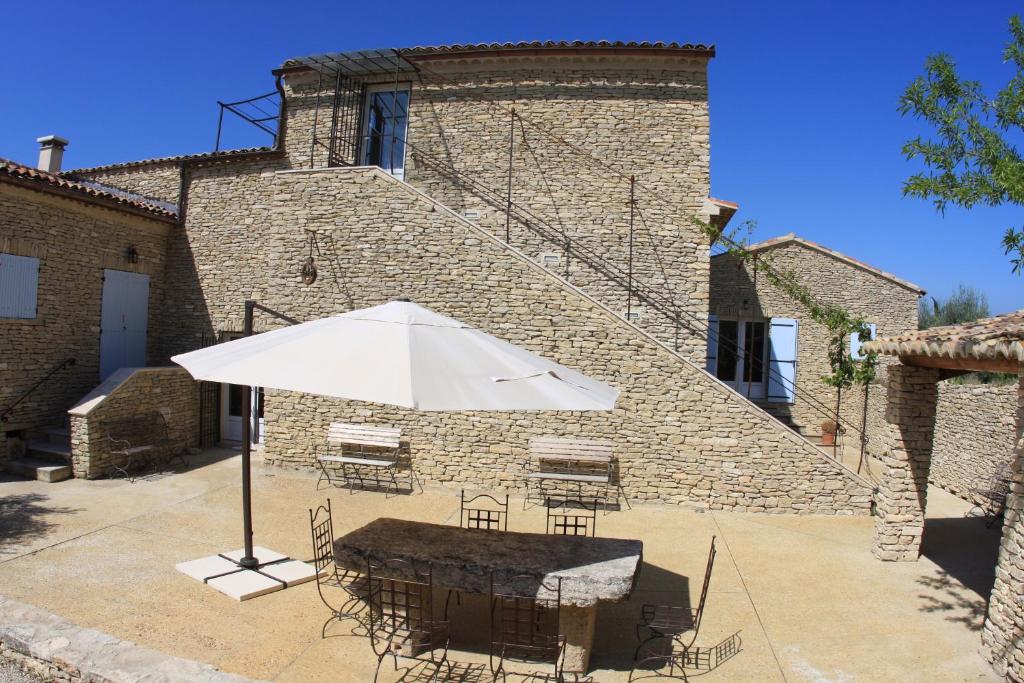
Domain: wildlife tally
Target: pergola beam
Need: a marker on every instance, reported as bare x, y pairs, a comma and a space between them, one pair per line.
963, 364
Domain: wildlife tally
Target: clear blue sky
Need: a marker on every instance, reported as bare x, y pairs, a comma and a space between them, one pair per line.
805, 133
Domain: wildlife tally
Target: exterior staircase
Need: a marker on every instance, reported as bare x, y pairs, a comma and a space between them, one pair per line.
47, 455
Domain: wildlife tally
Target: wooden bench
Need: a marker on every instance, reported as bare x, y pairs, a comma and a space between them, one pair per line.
583, 462
357, 451
138, 440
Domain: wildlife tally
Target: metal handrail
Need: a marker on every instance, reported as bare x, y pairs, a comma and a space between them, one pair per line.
6, 413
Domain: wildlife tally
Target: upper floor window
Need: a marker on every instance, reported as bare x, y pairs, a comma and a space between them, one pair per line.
19, 286
385, 123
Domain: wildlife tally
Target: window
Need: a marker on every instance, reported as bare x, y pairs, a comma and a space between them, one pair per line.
385, 121
855, 342
550, 260
19, 286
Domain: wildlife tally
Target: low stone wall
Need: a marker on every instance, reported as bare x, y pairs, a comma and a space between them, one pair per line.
52, 649
170, 391
974, 434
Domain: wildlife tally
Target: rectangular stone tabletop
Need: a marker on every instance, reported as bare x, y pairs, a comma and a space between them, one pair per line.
592, 569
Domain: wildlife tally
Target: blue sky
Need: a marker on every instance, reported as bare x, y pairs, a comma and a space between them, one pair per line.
805, 132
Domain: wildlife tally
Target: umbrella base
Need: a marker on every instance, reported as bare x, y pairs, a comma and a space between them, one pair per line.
273, 572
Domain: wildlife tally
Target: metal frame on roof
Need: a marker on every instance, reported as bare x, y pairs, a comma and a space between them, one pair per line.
358, 63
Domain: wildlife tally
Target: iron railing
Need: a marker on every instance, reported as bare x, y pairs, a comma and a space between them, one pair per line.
255, 111
5, 415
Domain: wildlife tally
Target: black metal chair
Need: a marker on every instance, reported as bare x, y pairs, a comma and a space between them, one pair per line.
571, 517
490, 513
402, 624
679, 625
525, 625
350, 587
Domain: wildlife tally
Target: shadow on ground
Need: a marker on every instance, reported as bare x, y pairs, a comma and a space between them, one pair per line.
26, 517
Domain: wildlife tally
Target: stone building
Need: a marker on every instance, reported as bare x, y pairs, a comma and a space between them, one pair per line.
768, 347
552, 194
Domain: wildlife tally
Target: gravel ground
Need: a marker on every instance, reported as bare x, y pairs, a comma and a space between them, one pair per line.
12, 674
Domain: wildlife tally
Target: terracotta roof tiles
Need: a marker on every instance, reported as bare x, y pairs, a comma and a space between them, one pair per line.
997, 338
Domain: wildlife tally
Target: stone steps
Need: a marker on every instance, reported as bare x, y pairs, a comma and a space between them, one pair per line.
40, 470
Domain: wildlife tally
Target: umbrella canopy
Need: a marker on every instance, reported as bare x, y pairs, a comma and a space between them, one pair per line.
400, 354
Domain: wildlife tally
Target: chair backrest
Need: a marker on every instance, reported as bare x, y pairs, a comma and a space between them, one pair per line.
571, 517
401, 601
524, 625
582, 450
343, 434
321, 525
704, 589
483, 511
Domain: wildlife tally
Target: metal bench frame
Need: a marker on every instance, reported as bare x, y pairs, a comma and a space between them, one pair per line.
136, 437
581, 462
362, 450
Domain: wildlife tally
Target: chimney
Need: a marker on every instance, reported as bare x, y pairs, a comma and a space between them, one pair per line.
51, 153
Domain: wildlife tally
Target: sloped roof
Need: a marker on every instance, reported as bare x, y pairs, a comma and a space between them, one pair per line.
997, 338
97, 193
791, 238
227, 153
553, 45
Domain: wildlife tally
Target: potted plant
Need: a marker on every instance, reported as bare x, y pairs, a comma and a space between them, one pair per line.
828, 432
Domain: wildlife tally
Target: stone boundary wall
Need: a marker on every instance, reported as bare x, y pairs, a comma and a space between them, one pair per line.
974, 435
681, 436
170, 391
53, 649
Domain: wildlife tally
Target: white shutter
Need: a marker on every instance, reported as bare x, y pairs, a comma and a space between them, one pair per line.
855, 342
19, 286
782, 335
711, 361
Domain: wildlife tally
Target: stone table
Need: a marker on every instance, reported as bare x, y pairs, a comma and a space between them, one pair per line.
592, 570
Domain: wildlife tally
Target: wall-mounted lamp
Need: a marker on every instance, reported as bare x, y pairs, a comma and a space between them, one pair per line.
131, 254
309, 272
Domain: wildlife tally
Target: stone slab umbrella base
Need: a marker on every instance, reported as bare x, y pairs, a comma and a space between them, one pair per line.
398, 354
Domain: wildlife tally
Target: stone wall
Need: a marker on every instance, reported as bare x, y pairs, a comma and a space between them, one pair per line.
738, 293
128, 392
53, 649
74, 243
975, 427
640, 116
1003, 635
154, 179
682, 437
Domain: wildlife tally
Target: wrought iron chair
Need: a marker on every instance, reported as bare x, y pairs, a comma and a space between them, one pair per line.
572, 517
525, 625
988, 498
679, 625
352, 585
402, 624
490, 513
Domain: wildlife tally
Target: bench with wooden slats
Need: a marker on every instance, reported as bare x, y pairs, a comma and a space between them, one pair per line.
351, 447
578, 461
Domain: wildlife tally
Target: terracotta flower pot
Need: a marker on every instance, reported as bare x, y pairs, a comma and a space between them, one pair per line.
828, 439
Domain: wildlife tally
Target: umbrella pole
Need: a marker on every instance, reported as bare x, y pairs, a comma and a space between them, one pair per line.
248, 561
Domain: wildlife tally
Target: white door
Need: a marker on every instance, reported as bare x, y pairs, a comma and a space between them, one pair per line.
739, 354
231, 410
385, 123
123, 319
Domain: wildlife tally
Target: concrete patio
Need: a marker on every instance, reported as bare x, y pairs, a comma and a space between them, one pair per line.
807, 597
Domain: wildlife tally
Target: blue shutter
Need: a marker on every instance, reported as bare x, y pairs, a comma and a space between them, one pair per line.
855, 342
19, 286
782, 334
711, 361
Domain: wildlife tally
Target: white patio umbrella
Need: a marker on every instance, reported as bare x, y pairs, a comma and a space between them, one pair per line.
398, 354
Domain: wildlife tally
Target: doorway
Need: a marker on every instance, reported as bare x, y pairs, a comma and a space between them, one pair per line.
231, 409
740, 356
385, 124
124, 317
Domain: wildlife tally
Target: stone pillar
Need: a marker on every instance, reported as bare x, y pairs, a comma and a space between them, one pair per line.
903, 485
1002, 640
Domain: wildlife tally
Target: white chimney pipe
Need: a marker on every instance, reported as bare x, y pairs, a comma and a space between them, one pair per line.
51, 153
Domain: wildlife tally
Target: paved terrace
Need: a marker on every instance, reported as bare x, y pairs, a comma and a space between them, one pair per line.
809, 600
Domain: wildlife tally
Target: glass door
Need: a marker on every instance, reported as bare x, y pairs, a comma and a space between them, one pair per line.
385, 124
231, 412
741, 356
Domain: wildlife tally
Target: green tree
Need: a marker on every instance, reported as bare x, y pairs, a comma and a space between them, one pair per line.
971, 160
963, 305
